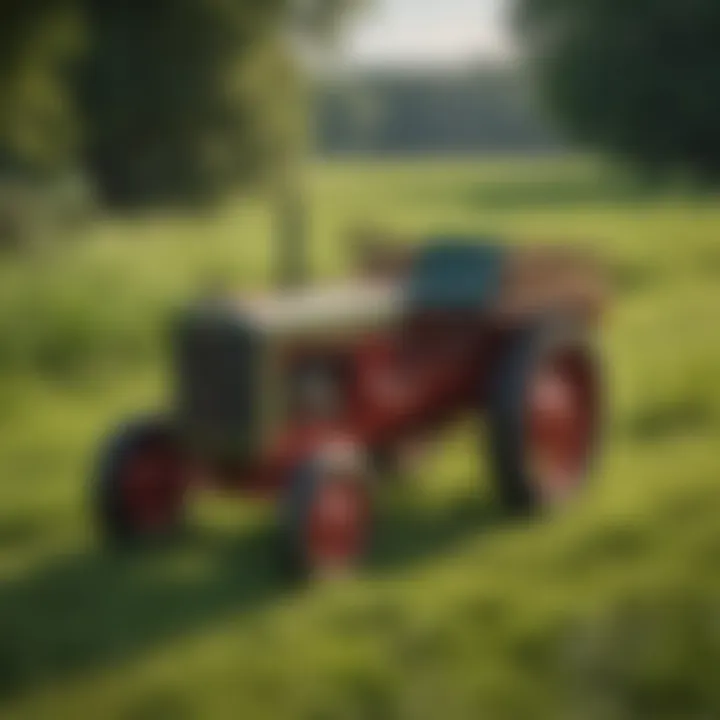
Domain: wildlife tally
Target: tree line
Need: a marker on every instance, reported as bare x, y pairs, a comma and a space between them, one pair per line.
175, 101
484, 109
637, 79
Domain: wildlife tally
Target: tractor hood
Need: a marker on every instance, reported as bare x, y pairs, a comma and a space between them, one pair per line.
229, 351
347, 307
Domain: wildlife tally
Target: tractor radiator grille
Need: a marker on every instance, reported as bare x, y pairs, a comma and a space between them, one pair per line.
216, 387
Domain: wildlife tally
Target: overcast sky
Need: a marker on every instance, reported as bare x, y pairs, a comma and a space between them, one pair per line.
428, 32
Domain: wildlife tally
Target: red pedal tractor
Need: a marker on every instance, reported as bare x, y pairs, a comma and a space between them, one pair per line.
302, 395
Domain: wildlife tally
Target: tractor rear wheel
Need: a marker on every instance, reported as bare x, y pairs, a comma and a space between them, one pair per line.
545, 416
326, 516
140, 484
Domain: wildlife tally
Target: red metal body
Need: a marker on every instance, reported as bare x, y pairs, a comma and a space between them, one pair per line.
395, 386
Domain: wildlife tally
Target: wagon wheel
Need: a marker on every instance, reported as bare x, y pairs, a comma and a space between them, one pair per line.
141, 483
545, 416
326, 516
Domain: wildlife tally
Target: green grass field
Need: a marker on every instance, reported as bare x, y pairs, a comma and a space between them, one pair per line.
609, 611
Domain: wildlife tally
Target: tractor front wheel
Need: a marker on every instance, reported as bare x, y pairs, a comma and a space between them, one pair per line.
327, 514
140, 483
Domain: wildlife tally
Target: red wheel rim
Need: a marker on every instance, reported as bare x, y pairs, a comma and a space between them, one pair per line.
152, 486
561, 423
337, 525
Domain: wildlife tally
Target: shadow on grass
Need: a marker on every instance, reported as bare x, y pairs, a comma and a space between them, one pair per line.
97, 609
410, 534
627, 278
16, 532
537, 191
664, 420
560, 192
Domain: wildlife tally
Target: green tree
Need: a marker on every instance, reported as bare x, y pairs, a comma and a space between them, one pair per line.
637, 78
160, 101
40, 48
184, 98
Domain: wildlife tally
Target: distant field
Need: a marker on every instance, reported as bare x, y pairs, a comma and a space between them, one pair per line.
610, 611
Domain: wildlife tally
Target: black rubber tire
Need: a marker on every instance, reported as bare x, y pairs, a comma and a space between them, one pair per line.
507, 399
303, 486
114, 520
